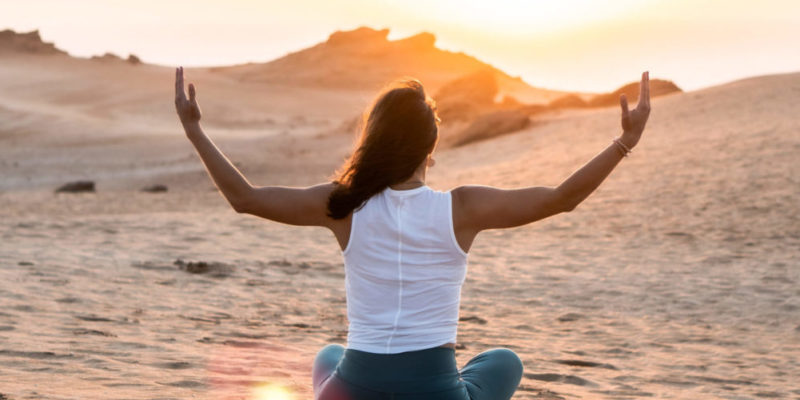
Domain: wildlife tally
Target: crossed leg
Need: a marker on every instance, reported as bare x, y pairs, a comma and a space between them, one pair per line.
325, 363
491, 375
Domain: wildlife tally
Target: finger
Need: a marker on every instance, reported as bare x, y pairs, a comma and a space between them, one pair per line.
623, 102
644, 89
192, 93
642, 84
179, 85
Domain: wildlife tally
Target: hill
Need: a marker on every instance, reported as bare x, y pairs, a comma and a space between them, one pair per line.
365, 59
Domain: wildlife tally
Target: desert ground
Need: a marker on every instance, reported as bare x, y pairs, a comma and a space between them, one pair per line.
679, 278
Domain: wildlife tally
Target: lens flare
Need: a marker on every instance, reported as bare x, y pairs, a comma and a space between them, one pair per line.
271, 391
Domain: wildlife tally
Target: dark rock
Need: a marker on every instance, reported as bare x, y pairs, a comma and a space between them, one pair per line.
93, 318
76, 186
157, 188
570, 317
174, 365
213, 269
133, 59
473, 318
582, 363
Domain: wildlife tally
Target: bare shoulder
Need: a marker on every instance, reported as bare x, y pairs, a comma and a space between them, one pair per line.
468, 196
468, 202
471, 190
477, 207
290, 205
323, 190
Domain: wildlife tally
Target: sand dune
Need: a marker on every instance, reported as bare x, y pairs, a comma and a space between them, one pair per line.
677, 279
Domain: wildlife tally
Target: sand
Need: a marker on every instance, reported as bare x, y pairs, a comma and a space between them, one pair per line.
677, 279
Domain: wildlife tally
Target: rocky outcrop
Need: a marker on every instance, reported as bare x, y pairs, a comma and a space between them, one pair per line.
492, 124
365, 59
27, 42
358, 36
470, 112
465, 98
107, 57
133, 59
658, 87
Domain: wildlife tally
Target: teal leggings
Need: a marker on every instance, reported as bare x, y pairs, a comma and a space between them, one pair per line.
347, 374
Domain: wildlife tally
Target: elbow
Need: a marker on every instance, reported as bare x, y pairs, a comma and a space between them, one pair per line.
562, 201
241, 202
240, 206
569, 203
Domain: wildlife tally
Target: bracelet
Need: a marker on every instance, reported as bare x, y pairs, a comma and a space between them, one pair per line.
624, 150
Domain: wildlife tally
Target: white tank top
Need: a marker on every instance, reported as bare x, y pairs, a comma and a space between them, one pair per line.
403, 272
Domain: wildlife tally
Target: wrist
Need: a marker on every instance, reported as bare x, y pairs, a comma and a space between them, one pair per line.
621, 147
192, 128
628, 139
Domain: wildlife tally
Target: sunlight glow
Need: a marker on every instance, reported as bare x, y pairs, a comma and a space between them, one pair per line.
521, 17
271, 392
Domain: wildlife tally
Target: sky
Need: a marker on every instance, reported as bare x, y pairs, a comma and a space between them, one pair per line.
577, 45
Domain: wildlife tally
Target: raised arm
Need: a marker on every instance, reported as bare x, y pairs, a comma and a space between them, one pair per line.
480, 207
296, 206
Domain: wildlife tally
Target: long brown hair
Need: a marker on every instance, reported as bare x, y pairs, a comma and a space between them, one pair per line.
398, 131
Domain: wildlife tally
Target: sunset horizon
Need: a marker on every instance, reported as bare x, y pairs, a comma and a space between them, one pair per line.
578, 45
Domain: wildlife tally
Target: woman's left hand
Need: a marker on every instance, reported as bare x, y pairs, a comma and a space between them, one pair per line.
633, 121
188, 109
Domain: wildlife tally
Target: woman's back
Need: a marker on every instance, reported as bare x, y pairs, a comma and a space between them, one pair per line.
404, 272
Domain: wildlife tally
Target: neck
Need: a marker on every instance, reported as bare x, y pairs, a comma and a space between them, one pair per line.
410, 183
415, 181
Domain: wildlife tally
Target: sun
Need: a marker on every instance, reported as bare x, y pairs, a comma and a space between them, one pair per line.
271, 391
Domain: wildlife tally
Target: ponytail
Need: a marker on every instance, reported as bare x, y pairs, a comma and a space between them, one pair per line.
397, 134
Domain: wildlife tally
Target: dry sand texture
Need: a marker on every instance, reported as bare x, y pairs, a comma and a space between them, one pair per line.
678, 278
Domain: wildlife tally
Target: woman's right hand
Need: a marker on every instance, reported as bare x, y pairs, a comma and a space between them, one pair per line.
633, 121
188, 109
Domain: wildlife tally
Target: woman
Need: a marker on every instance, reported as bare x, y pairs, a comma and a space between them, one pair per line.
405, 245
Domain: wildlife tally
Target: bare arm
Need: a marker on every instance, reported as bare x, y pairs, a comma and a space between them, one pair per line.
296, 206
481, 207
